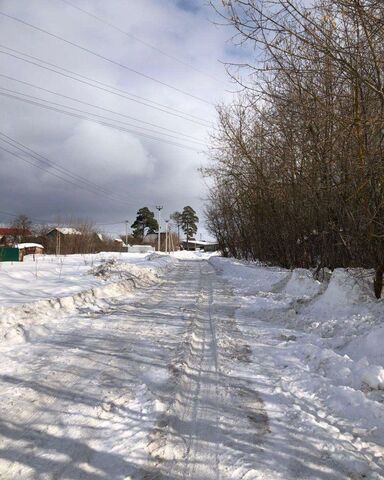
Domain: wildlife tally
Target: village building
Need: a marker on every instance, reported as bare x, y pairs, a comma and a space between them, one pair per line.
62, 232
153, 238
30, 248
119, 243
193, 244
65, 240
9, 235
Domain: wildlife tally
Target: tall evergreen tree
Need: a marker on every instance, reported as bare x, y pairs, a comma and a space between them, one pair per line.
145, 219
189, 221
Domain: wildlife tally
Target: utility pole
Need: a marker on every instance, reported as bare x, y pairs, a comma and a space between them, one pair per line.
166, 236
172, 247
58, 240
187, 238
126, 234
159, 207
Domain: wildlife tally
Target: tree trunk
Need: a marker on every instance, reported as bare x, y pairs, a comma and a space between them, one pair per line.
378, 281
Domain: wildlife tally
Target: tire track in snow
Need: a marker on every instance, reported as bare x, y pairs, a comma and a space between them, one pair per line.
197, 437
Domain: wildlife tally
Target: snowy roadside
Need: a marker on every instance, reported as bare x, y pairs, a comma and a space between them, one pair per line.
36, 291
318, 362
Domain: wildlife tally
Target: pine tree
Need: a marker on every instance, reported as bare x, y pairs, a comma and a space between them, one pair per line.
145, 219
189, 221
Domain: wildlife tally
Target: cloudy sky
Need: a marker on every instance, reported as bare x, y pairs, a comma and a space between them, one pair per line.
112, 116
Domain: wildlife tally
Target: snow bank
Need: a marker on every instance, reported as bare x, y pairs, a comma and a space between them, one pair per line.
56, 286
326, 341
193, 255
249, 278
343, 370
302, 284
57, 276
369, 346
344, 290
17, 322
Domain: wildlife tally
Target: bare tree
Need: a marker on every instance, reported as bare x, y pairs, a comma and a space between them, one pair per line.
298, 164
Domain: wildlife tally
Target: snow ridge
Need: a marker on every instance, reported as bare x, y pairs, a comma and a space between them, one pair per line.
114, 279
326, 341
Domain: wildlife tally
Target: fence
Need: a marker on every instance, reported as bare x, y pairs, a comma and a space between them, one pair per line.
9, 254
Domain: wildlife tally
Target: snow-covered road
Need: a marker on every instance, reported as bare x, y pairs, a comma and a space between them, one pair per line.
132, 391
166, 384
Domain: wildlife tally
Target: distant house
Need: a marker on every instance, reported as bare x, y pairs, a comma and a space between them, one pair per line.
152, 238
119, 243
200, 245
99, 237
66, 240
62, 232
10, 235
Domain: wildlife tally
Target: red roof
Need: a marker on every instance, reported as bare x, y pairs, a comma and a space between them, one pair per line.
14, 231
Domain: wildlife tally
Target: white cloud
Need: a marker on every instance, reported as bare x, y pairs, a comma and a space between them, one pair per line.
105, 153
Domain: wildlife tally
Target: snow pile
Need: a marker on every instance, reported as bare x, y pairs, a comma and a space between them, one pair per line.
341, 313
369, 346
344, 290
343, 370
142, 274
302, 284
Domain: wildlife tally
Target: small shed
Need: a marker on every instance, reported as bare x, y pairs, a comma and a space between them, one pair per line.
30, 248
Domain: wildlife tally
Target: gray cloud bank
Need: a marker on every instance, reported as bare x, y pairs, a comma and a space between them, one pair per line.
126, 166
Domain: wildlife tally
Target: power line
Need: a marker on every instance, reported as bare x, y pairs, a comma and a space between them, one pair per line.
15, 154
113, 223
61, 170
107, 59
14, 215
143, 42
84, 117
70, 182
179, 137
124, 94
106, 87
50, 222
193, 139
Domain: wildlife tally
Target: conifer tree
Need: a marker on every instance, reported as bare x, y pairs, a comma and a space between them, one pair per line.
189, 221
145, 219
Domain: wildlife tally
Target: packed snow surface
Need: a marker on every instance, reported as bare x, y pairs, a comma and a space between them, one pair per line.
188, 366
